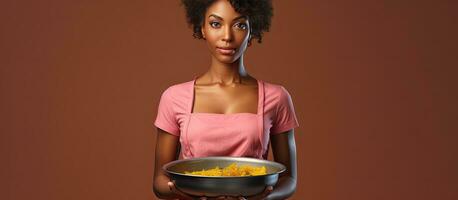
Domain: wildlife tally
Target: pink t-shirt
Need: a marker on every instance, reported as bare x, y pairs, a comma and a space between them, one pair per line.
237, 134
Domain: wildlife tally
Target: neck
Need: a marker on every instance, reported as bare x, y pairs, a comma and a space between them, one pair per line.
227, 73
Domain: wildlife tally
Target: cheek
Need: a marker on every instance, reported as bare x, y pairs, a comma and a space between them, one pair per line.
242, 37
243, 40
211, 37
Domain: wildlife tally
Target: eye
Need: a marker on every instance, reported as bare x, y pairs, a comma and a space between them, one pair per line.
215, 24
242, 26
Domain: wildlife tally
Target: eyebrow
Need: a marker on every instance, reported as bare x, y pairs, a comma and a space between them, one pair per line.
220, 18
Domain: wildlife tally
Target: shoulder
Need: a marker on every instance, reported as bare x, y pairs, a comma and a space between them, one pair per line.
276, 96
275, 91
178, 96
178, 89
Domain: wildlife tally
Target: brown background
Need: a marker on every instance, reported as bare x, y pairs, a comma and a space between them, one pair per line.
374, 84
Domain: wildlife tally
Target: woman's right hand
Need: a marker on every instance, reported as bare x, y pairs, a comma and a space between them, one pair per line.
181, 194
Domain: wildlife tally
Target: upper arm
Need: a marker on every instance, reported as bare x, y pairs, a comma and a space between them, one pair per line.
284, 151
167, 150
167, 114
284, 118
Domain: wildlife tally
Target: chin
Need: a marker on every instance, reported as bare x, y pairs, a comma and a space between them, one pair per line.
227, 59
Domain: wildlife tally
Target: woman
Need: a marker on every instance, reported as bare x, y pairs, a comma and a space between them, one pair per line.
225, 111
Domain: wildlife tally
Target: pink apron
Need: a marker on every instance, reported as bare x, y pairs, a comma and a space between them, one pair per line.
236, 134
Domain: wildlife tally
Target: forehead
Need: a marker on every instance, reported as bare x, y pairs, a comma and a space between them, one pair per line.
223, 9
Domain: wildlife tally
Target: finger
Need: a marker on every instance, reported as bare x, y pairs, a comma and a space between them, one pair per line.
242, 198
269, 188
267, 191
170, 184
203, 198
172, 187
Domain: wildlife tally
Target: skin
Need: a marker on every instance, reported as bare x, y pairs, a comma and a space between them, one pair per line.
224, 89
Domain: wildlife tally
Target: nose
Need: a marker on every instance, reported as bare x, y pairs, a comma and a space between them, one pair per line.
227, 35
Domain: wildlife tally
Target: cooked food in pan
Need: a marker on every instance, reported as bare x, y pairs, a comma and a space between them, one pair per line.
232, 170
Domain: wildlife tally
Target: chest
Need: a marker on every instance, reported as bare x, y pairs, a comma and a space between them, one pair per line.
225, 100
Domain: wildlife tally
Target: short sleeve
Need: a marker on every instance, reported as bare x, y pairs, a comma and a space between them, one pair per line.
166, 118
285, 117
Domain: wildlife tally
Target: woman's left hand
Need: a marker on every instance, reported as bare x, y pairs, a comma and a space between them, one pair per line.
260, 196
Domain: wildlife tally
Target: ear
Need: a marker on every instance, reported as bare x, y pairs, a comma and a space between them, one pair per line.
202, 31
249, 40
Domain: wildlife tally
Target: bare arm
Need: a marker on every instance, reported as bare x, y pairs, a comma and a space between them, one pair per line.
284, 151
167, 146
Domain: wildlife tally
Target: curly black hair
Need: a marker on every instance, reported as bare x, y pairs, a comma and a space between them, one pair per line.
259, 13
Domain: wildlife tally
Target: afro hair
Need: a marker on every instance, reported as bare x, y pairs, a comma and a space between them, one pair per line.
259, 13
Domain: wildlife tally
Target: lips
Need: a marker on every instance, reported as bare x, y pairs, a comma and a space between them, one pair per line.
225, 50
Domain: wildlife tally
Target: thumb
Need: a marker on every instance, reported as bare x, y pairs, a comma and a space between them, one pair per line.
170, 184
268, 190
175, 190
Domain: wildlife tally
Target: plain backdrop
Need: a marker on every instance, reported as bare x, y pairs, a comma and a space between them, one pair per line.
374, 85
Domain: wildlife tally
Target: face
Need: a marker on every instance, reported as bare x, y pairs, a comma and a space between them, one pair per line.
227, 32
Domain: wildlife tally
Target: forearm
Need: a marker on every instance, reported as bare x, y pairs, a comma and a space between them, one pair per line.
285, 187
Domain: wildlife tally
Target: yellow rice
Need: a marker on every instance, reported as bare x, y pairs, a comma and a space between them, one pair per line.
232, 170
